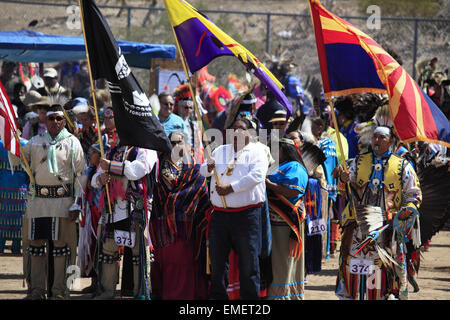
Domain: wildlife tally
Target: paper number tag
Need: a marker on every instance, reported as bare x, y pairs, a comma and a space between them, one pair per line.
316, 227
124, 238
361, 266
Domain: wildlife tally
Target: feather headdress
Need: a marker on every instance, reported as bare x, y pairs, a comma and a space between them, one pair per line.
306, 131
58, 99
365, 130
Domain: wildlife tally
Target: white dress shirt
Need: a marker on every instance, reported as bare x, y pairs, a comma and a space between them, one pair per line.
248, 177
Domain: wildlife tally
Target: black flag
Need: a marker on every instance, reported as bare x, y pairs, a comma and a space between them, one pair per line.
136, 123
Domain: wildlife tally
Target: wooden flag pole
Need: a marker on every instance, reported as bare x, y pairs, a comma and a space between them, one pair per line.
25, 160
338, 135
99, 132
197, 111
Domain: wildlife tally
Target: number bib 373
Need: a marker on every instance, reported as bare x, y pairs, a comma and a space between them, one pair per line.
124, 238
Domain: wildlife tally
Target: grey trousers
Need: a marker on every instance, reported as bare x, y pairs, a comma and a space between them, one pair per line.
37, 264
110, 270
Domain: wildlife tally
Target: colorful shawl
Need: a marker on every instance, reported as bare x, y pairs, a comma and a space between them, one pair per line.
180, 200
89, 218
13, 193
313, 243
291, 175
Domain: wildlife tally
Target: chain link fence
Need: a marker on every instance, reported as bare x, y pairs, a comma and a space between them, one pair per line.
413, 39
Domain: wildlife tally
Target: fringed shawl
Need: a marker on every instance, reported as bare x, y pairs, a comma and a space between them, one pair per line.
291, 175
180, 200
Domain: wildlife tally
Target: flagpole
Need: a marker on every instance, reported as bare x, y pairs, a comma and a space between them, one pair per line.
196, 109
99, 132
11, 126
333, 114
338, 135
25, 161
336, 128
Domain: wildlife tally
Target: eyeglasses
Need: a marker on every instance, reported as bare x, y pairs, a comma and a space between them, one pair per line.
108, 113
51, 118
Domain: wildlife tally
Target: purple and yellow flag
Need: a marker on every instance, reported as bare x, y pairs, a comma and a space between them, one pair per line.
202, 41
351, 62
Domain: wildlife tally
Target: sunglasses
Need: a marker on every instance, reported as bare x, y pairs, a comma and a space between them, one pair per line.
58, 118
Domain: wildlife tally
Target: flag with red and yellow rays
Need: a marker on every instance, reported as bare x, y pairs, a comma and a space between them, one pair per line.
351, 62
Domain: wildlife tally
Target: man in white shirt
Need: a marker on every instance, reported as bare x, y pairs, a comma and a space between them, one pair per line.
125, 171
57, 162
241, 168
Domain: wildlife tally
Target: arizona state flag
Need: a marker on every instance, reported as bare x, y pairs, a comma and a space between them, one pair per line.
136, 123
202, 41
351, 62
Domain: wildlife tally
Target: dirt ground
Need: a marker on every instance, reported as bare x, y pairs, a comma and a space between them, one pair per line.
433, 278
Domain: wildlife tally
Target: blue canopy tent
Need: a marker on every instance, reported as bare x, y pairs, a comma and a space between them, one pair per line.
32, 46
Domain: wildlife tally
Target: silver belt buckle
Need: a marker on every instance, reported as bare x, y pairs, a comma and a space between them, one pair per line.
44, 191
60, 192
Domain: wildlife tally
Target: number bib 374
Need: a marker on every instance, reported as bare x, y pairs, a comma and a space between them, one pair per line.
361, 266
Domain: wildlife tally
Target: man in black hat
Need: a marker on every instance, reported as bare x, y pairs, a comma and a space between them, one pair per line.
266, 111
279, 121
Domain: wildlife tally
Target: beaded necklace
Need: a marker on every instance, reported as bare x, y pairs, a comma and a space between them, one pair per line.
231, 166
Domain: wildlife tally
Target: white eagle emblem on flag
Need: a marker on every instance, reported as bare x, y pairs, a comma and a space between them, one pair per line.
122, 68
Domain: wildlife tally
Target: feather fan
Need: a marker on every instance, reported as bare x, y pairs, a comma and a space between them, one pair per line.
369, 218
312, 157
435, 207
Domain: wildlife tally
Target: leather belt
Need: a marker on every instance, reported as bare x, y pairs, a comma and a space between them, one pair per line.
250, 206
58, 191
